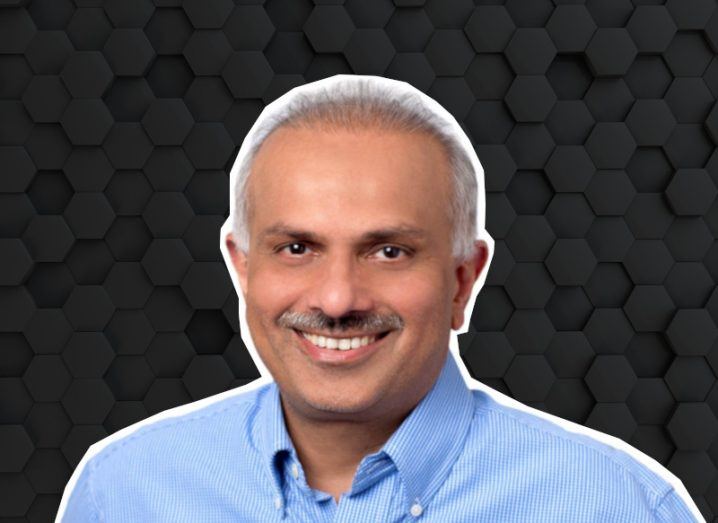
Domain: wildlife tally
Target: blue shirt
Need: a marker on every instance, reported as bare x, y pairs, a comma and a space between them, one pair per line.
459, 456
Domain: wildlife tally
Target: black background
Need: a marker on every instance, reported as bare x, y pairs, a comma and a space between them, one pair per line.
119, 121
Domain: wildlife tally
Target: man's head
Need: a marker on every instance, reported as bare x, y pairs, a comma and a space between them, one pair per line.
355, 225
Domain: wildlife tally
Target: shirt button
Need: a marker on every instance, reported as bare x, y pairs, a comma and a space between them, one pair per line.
416, 510
295, 470
277, 502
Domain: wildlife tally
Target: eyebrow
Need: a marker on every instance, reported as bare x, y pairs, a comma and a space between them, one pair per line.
378, 235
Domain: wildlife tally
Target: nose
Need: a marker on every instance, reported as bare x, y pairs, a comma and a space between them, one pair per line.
340, 287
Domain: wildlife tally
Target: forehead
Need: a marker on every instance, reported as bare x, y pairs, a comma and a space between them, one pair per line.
346, 157
349, 177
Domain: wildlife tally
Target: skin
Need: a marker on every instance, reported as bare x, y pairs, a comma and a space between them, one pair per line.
337, 185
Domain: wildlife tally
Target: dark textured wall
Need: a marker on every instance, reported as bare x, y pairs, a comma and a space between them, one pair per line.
596, 124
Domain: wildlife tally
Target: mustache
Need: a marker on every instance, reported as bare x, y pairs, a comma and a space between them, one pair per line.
319, 321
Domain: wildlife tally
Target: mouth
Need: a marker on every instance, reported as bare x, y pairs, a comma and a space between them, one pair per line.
342, 343
339, 350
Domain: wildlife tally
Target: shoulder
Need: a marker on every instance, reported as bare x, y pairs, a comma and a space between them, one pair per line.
561, 455
179, 456
191, 427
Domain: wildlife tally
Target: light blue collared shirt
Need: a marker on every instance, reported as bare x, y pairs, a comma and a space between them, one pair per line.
458, 457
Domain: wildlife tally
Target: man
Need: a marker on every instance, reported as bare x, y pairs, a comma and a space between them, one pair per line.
355, 244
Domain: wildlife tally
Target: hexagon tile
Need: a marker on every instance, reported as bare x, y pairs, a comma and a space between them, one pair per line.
596, 123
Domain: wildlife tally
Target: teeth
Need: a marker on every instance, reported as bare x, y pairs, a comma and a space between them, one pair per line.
339, 343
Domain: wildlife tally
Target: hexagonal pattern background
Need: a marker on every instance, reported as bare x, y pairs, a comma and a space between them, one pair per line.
597, 126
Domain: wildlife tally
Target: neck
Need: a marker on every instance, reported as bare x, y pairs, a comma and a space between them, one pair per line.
330, 450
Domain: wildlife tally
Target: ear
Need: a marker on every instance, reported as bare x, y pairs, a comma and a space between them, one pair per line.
239, 261
466, 275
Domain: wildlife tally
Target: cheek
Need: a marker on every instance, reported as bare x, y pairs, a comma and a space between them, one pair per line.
268, 296
271, 290
419, 298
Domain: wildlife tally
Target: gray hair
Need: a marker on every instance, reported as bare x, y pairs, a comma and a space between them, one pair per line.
346, 101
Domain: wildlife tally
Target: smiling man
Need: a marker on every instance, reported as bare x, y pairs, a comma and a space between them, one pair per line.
349, 281
356, 242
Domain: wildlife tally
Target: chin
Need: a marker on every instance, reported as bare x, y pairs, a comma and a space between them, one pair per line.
343, 404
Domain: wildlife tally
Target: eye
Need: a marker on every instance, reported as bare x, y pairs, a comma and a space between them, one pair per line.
392, 252
296, 248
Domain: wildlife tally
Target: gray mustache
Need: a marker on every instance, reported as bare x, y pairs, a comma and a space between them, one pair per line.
321, 322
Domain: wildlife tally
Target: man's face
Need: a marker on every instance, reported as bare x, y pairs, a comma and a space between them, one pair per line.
352, 225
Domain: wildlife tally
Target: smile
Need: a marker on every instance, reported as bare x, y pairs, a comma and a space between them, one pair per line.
326, 342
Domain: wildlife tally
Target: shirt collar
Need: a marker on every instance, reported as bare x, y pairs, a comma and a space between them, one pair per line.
430, 439
423, 448
273, 440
